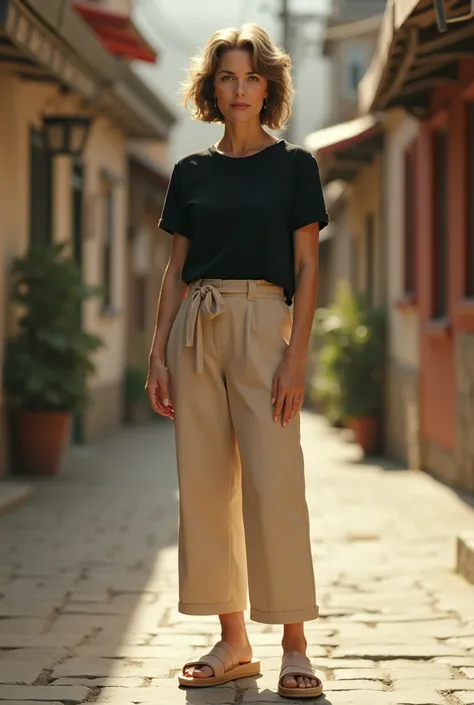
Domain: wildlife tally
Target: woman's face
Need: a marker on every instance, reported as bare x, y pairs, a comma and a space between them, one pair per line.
239, 89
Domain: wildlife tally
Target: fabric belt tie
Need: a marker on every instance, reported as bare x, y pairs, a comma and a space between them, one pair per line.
206, 301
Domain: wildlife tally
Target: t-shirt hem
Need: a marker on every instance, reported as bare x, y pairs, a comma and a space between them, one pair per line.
321, 220
170, 228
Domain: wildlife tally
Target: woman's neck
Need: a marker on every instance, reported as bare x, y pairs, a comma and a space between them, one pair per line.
242, 140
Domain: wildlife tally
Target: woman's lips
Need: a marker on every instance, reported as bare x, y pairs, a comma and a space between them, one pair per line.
239, 106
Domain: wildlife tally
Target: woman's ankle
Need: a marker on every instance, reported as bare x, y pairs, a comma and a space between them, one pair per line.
294, 638
233, 628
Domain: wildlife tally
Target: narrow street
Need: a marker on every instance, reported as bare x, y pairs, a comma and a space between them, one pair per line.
88, 574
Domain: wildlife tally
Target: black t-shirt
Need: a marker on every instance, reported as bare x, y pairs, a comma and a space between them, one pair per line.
240, 212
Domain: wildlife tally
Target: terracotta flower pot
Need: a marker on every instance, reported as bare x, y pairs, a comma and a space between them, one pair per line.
40, 440
366, 430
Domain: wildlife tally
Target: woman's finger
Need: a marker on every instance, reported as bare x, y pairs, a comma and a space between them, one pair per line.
296, 405
274, 389
152, 392
286, 416
280, 401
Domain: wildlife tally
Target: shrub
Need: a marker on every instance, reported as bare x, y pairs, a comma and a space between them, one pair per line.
349, 377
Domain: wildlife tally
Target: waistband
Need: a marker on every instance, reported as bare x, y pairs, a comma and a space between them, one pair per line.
253, 288
206, 299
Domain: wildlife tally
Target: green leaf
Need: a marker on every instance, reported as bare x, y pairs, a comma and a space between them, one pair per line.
46, 366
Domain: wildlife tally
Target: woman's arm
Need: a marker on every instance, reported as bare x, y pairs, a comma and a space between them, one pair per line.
173, 291
289, 380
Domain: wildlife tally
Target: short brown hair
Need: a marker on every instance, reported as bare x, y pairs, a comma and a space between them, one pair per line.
268, 60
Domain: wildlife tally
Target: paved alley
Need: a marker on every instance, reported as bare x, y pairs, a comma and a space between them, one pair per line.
88, 573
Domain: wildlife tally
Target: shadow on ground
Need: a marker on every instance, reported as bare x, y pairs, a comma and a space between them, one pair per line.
86, 577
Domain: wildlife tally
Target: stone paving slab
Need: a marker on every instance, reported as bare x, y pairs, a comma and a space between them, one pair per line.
396, 651
13, 493
71, 694
445, 686
19, 674
88, 585
167, 694
109, 682
96, 668
466, 698
38, 641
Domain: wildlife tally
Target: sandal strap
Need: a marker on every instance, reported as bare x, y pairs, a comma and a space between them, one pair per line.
296, 665
221, 658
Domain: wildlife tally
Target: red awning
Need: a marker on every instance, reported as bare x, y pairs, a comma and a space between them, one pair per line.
116, 32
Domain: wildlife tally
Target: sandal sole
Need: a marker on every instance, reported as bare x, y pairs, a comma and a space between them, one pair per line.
245, 670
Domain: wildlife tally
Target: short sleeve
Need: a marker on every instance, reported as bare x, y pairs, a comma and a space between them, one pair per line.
308, 203
174, 216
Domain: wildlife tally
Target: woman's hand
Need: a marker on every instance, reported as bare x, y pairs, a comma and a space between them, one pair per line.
288, 389
157, 388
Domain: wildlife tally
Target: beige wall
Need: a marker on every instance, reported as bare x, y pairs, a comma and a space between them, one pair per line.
366, 199
339, 263
106, 149
401, 130
402, 400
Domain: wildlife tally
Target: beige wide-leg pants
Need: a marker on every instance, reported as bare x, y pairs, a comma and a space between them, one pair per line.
241, 476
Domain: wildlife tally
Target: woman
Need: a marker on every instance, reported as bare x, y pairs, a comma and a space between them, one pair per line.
227, 361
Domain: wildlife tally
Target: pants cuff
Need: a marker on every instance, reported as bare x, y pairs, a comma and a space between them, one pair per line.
210, 609
293, 617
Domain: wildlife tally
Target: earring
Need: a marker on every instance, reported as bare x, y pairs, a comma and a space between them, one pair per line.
215, 101
265, 103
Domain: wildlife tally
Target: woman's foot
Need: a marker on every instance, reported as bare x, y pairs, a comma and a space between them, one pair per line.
295, 641
233, 633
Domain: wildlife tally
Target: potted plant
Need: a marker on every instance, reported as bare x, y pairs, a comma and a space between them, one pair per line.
47, 362
350, 372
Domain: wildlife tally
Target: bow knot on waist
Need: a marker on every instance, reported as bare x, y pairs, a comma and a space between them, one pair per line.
205, 301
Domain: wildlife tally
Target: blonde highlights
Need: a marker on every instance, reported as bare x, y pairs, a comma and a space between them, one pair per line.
268, 60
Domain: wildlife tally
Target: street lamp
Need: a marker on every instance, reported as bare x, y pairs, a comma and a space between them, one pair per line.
66, 134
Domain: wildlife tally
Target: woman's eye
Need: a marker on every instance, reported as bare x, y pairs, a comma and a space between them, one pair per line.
253, 77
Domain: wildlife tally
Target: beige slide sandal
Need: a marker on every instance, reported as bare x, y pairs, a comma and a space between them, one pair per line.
225, 664
295, 664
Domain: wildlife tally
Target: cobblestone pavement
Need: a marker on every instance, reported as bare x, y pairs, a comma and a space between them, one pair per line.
88, 584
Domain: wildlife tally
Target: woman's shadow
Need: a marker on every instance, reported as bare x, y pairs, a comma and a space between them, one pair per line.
198, 696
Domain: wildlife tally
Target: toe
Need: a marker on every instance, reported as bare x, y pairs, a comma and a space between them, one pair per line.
204, 672
301, 682
289, 682
199, 672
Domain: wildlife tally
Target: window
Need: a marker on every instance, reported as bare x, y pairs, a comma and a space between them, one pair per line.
409, 284
108, 248
356, 57
356, 71
469, 288
369, 256
440, 225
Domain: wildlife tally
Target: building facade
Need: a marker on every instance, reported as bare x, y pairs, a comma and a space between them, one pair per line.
57, 59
